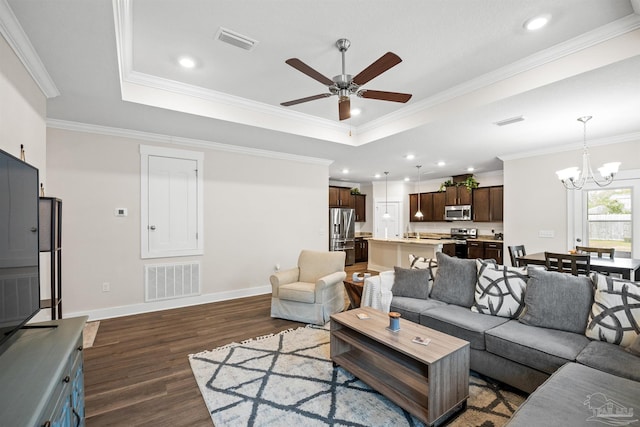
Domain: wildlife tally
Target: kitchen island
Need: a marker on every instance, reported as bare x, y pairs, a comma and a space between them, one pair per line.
384, 254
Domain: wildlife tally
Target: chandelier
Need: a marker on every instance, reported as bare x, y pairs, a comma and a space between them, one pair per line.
386, 198
574, 179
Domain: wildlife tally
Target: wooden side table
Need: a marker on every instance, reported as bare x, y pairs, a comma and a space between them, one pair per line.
354, 292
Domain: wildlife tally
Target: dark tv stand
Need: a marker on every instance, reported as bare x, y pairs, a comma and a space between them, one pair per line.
41, 376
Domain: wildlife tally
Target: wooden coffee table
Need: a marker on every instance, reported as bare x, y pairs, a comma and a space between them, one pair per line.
431, 382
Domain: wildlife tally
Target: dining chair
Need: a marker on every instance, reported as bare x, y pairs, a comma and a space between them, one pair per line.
575, 264
515, 252
600, 251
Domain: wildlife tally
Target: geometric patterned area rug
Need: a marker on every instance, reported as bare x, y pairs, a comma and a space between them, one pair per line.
288, 380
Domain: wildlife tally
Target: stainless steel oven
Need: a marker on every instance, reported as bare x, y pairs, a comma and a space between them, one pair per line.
460, 236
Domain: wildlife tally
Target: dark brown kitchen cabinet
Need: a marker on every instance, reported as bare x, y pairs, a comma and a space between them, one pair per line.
485, 250
339, 197
487, 204
457, 196
361, 249
449, 249
475, 250
359, 203
439, 203
493, 250
426, 207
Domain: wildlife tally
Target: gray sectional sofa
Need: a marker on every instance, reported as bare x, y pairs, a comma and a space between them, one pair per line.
535, 330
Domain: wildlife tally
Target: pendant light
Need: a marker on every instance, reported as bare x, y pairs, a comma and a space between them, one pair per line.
386, 197
574, 179
419, 212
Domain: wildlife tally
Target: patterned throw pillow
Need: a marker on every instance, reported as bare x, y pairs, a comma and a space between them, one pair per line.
500, 290
615, 314
422, 263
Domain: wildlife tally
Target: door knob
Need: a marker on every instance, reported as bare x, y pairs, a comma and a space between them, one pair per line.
153, 227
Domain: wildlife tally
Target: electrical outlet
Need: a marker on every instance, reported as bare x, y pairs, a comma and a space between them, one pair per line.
106, 287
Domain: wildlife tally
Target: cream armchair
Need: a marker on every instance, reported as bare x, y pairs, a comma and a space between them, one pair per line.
312, 291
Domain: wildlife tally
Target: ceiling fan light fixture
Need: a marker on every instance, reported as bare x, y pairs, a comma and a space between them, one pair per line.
344, 85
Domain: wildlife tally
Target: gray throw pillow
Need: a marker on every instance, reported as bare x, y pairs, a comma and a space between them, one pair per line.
455, 281
410, 283
557, 301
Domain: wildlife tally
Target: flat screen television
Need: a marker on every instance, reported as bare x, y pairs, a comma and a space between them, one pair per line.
19, 250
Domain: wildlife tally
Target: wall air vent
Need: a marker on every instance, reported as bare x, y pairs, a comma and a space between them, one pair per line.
509, 121
235, 39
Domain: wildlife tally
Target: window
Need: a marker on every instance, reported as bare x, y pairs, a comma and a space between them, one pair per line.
171, 202
607, 217
609, 220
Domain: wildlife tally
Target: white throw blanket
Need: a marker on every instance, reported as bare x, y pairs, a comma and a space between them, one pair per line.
376, 292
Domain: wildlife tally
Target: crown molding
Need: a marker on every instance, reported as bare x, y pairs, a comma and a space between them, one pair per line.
15, 36
209, 95
561, 50
617, 139
186, 142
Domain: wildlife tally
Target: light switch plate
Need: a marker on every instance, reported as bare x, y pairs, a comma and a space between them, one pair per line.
548, 234
120, 212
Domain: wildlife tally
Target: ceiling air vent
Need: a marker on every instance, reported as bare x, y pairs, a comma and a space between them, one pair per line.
509, 121
235, 39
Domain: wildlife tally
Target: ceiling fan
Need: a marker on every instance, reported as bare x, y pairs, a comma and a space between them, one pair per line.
345, 84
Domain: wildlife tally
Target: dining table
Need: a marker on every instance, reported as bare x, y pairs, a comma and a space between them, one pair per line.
629, 268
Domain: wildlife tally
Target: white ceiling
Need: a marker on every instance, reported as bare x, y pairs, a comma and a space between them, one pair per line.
468, 64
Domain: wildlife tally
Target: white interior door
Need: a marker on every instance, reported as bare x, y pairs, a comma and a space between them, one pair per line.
173, 215
387, 228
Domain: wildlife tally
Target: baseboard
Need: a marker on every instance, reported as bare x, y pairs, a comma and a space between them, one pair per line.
128, 310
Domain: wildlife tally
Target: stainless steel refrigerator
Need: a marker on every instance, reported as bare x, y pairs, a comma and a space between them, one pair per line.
342, 232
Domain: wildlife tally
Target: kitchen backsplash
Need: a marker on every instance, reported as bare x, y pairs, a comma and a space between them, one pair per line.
484, 228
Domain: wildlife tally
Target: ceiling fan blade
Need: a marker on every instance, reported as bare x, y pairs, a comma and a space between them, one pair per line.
307, 99
383, 63
384, 96
304, 68
344, 108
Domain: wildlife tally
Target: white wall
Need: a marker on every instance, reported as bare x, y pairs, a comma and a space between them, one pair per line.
258, 212
22, 111
22, 121
535, 200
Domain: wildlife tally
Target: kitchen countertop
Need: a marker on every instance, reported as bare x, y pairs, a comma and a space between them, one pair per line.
414, 241
486, 239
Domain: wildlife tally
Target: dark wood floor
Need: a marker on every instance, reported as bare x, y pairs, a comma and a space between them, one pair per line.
138, 374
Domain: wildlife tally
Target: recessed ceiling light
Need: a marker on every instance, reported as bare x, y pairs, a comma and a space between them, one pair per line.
377, 175
345, 170
537, 22
470, 169
187, 62
441, 163
410, 156
406, 178
356, 111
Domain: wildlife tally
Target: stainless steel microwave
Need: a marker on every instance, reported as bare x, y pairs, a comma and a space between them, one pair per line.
457, 213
